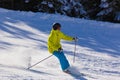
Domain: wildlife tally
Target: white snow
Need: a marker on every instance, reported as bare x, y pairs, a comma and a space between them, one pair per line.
27, 1
24, 35
50, 5
104, 12
104, 4
43, 2
117, 17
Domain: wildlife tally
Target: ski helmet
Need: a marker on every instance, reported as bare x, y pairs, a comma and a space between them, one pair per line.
56, 26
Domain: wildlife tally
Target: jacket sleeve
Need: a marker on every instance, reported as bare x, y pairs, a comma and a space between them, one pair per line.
66, 37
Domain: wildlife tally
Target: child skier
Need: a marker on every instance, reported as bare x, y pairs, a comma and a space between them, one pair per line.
55, 47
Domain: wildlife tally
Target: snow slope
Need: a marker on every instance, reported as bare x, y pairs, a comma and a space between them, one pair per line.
24, 35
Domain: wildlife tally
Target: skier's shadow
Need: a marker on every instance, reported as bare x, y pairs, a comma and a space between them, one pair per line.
38, 72
78, 77
24, 69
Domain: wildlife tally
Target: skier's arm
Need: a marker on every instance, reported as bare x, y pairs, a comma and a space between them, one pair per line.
66, 37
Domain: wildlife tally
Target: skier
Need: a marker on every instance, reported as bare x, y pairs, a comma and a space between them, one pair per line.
55, 47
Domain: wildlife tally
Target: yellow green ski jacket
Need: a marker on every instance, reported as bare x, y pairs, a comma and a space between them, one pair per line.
54, 40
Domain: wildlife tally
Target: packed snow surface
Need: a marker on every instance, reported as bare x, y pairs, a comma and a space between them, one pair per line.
23, 35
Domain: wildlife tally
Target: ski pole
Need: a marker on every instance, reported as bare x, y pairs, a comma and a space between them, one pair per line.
39, 62
74, 51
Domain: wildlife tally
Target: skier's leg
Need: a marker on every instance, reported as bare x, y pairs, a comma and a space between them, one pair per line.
62, 59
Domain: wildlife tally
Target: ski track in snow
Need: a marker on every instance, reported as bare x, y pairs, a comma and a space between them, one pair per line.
24, 35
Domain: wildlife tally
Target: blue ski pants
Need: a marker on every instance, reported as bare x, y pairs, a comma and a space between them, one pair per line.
62, 59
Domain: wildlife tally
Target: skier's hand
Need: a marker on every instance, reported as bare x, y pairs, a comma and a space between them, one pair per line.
60, 50
75, 39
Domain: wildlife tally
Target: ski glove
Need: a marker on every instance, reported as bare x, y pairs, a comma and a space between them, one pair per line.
60, 50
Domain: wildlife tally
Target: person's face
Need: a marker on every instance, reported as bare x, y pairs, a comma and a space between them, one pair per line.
59, 28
